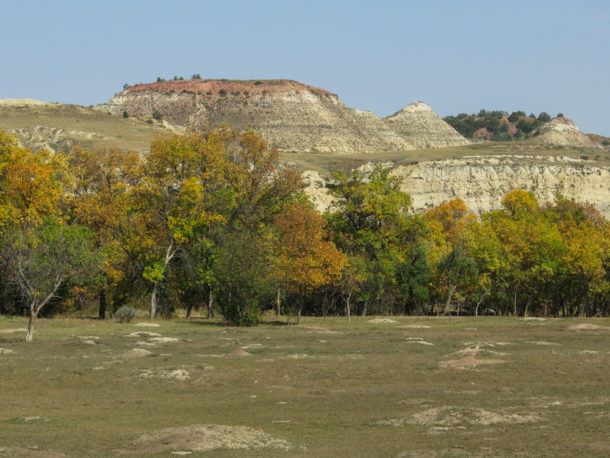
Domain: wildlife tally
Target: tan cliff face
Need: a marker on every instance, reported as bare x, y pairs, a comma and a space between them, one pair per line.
482, 181
292, 116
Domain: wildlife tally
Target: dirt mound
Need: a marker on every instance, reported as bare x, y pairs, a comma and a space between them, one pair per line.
239, 352
136, 353
468, 362
147, 325
144, 334
382, 320
453, 416
163, 339
199, 438
178, 374
588, 327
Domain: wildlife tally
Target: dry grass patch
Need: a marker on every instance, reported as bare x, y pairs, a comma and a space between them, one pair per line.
199, 438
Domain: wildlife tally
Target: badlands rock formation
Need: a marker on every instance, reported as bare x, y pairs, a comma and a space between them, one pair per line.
44, 138
482, 181
422, 127
563, 132
292, 116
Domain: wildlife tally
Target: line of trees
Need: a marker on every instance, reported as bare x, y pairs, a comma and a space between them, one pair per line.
499, 125
211, 219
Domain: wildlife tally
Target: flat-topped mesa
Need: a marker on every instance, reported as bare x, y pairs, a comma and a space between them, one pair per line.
563, 132
420, 125
293, 117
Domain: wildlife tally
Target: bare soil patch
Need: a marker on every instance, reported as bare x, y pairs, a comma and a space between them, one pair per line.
454, 416
12, 330
163, 339
177, 374
540, 342
239, 352
6, 351
588, 327
208, 437
147, 325
382, 320
414, 326
136, 353
144, 334
319, 330
468, 362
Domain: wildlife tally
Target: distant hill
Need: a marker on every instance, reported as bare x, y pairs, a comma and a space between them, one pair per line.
293, 117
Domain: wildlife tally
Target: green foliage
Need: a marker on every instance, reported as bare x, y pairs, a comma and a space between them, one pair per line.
196, 76
497, 124
125, 114
222, 92
157, 115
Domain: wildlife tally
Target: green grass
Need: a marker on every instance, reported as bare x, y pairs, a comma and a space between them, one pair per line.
328, 393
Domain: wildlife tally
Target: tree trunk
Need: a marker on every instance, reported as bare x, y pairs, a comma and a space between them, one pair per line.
30, 334
210, 304
364, 308
515, 303
449, 295
527, 306
153, 303
348, 307
169, 255
299, 314
189, 310
277, 302
102, 310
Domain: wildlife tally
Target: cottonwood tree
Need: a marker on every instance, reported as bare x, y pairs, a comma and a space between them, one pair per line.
303, 260
40, 259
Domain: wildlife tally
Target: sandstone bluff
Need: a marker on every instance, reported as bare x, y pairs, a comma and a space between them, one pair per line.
292, 116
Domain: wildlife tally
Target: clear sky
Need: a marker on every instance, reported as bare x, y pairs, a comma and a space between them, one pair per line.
457, 56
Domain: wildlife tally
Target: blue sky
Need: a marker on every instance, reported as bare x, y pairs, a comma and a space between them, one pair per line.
457, 56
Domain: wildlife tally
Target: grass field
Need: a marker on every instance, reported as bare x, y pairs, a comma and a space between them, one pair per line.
407, 387
88, 127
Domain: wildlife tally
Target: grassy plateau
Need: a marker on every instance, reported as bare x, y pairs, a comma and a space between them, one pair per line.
399, 386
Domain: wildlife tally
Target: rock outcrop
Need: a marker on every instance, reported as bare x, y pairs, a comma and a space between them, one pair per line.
563, 132
482, 181
422, 127
292, 116
44, 138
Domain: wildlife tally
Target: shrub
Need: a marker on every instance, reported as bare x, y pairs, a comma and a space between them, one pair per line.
157, 115
222, 92
125, 114
125, 314
256, 83
196, 76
